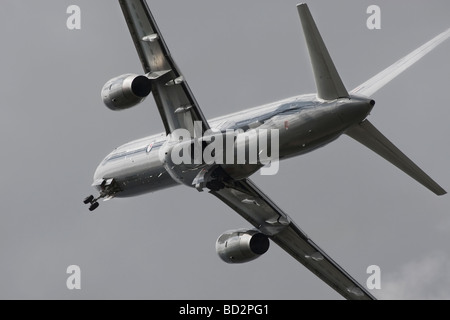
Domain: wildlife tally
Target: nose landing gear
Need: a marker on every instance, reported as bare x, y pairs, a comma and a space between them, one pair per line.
108, 188
92, 201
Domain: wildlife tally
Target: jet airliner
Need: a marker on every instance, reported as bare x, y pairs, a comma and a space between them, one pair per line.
303, 123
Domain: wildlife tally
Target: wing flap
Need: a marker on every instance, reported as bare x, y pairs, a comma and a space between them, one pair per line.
318, 262
247, 200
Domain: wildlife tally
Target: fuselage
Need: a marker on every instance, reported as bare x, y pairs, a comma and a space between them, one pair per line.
304, 123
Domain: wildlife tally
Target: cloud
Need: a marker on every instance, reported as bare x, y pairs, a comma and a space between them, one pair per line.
427, 278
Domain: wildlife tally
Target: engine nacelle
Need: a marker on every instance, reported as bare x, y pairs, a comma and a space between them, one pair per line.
238, 246
126, 91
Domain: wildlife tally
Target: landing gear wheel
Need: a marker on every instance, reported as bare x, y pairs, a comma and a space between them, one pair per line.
88, 199
215, 185
93, 206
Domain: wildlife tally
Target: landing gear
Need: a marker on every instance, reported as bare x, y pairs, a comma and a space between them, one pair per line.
215, 185
107, 188
93, 201
88, 199
212, 178
93, 206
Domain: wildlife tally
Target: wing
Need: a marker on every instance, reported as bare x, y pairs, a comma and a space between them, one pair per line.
175, 101
253, 205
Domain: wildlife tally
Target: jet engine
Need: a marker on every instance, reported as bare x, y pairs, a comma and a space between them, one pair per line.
238, 246
126, 91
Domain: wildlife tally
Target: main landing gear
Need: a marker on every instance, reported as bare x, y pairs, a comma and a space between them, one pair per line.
92, 201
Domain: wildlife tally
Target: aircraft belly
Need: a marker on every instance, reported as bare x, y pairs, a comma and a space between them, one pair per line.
136, 175
144, 182
307, 130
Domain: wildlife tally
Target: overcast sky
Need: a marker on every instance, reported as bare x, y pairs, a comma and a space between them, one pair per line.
235, 54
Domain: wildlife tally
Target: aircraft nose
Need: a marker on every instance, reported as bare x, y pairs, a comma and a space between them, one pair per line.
354, 110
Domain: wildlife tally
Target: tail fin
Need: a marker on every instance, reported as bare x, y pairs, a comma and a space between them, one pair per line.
368, 135
328, 82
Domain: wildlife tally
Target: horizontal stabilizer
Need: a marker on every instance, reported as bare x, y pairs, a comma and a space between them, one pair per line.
375, 83
368, 135
328, 82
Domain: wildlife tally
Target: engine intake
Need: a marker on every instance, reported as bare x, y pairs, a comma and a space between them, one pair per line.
126, 91
239, 246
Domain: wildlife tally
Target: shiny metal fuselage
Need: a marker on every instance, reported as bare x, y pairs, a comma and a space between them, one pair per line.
304, 124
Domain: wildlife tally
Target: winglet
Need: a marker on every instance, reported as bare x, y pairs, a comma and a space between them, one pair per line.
328, 82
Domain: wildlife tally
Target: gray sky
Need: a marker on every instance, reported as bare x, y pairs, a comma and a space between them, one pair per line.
235, 55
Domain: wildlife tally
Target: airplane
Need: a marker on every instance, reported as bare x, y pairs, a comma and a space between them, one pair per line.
300, 125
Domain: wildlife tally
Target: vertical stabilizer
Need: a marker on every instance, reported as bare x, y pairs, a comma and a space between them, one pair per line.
328, 82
